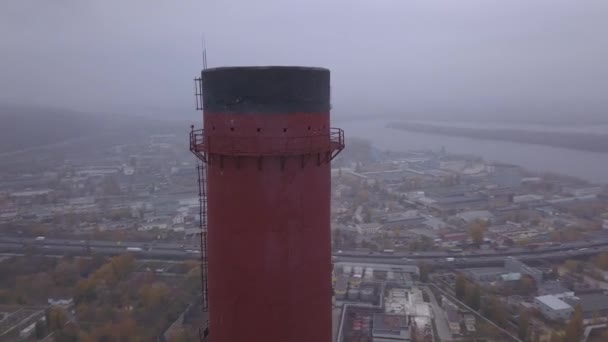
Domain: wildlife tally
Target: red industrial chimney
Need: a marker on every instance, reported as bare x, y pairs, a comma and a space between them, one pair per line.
267, 147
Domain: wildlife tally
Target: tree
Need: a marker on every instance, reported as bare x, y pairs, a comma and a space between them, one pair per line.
123, 265
535, 336
155, 295
188, 265
477, 231
362, 196
573, 266
526, 285
473, 296
367, 215
555, 337
55, 318
68, 334
122, 330
180, 336
426, 243
495, 311
460, 286
425, 269
193, 280
601, 261
85, 291
65, 273
554, 271
574, 329
523, 326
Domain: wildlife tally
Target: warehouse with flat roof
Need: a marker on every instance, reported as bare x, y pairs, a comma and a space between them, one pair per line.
553, 307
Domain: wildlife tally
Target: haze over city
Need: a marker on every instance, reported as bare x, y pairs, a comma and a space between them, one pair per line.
477, 60
304, 171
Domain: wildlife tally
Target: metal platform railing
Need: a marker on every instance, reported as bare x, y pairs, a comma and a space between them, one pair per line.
254, 146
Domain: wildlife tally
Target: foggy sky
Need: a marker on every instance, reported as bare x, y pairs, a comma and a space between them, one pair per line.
439, 59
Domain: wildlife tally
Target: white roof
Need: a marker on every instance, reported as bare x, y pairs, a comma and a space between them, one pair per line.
553, 302
473, 215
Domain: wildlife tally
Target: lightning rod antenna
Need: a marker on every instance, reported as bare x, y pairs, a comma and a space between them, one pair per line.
204, 53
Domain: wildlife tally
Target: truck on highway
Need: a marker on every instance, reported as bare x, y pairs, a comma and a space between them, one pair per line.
40, 238
134, 249
449, 259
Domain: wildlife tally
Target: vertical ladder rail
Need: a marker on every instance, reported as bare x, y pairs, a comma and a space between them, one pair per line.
202, 197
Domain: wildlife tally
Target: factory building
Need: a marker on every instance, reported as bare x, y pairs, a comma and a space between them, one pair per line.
390, 328
341, 287
515, 266
553, 308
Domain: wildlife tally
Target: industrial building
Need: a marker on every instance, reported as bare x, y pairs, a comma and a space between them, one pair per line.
515, 266
390, 328
384, 308
452, 315
485, 274
341, 287
553, 308
593, 304
264, 188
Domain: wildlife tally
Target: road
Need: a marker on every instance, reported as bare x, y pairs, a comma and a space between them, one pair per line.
177, 251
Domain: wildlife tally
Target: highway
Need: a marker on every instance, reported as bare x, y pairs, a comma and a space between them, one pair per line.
177, 251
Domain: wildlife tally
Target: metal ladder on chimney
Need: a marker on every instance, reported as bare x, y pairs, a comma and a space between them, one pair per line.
202, 198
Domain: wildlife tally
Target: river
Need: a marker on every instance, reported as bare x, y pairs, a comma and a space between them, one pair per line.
591, 166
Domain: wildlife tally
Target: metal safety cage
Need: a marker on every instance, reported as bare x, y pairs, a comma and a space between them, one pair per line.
197, 144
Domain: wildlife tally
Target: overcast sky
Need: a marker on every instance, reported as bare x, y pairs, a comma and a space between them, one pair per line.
441, 59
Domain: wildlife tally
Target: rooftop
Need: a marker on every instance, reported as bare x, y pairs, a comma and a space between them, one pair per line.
486, 270
591, 302
474, 215
553, 302
552, 288
394, 326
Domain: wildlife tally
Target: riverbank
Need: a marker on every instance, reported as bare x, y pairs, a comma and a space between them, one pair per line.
590, 166
590, 142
